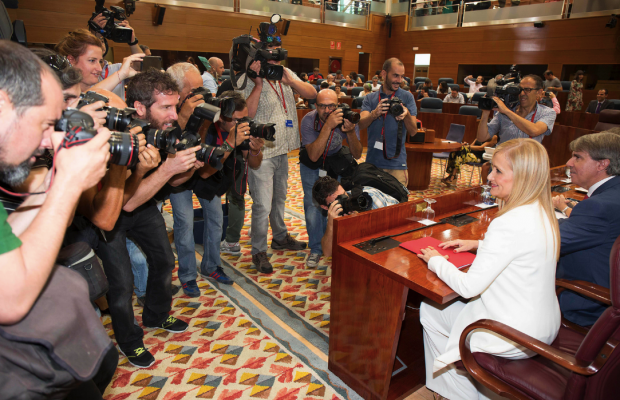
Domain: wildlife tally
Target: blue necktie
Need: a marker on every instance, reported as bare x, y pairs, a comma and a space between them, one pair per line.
598, 108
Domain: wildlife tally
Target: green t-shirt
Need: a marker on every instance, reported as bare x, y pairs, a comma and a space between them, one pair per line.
8, 241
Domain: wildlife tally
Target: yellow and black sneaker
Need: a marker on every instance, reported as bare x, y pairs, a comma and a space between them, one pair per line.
139, 357
172, 324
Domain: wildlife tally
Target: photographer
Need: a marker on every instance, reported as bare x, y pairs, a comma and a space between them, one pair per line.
326, 190
386, 133
230, 134
84, 51
273, 102
154, 95
35, 295
322, 134
528, 120
550, 100
210, 77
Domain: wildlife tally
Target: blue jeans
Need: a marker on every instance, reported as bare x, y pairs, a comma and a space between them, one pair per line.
316, 223
212, 234
139, 267
183, 216
268, 186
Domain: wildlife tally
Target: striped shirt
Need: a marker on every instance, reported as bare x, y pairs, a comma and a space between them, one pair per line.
507, 130
271, 111
379, 199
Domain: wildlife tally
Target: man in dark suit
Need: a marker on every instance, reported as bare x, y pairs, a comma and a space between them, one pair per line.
593, 224
601, 103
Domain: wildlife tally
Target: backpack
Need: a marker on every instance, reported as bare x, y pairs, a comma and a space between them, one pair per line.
366, 174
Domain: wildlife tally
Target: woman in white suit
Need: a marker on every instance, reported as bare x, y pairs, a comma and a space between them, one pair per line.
512, 279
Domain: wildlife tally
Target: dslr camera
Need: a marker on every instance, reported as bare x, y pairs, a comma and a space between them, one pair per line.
349, 114
396, 107
124, 147
116, 119
247, 49
190, 137
226, 104
162, 139
111, 30
359, 202
260, 131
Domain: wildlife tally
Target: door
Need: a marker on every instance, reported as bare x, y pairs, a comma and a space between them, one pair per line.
364, 66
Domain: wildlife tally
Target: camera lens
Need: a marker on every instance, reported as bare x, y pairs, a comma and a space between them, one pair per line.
210, 155
226, 104
118, 119
273, 72
396, 109
263, 131
124, 148
162, 139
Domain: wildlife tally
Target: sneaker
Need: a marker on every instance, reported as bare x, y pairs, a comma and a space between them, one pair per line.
175, 289
218, 276
139, 357
313, 260
226, 247
141, 301
262, 262
190, 288
171, 324
288, 244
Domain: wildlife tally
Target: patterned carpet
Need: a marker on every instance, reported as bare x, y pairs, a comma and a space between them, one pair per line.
231, 350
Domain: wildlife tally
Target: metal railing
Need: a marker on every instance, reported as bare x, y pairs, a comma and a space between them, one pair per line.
429, 14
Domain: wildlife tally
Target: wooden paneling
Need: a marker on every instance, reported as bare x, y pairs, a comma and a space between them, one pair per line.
557, 143
577, 119
191, 29
571, 41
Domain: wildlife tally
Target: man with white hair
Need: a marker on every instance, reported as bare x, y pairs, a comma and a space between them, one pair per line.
209, 78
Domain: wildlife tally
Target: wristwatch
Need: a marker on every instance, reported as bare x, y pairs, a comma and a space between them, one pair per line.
564, 210
226, 146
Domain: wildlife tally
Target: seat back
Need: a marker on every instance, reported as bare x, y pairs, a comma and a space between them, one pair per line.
565, 86
408, 80
311, 103
476, 97
608, 119
432, 93
361, 77
454, 86
357, 103
447, 80
333, 88
342, 82
456, 133
470, 110
431, 105
616, 104
419, 79
319, 81
356, 91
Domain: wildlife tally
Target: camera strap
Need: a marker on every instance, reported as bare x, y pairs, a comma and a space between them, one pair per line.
318, 126
282, 99
399, 135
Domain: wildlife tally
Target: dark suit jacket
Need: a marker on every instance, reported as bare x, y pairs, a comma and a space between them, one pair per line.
587, 238
592, 106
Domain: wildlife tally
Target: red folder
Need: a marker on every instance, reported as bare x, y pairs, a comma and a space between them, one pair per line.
460, 260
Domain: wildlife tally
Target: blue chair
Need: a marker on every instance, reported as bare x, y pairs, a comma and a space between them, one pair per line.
368, 82
356, 91
311, 103
565, 86
470, 110
616, 103
319, 81
432, 93
476, 97
357, 102
431, 105
333, 88
361, 77
408, 80
342, 82
454, 86
419, 79
447, 80
226, 72
455, 134
343, 89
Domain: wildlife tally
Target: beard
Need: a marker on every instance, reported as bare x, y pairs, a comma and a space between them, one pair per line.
154, 122
15, 175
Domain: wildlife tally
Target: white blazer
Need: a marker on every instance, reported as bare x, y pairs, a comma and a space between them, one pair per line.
512, 280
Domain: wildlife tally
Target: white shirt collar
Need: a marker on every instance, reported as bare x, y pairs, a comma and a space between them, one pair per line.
598, 185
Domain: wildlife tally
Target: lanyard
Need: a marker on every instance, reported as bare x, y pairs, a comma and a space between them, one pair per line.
220, 141
318, 127
535, 111
107, 71
282, 99
384, 115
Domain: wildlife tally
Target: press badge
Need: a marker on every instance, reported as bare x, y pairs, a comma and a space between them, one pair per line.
322, 173
379, 145
289, 123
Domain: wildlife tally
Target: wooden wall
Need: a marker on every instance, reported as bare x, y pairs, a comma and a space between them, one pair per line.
571, 41
191, 29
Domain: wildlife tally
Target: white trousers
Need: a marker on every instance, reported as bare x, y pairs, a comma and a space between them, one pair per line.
449, 382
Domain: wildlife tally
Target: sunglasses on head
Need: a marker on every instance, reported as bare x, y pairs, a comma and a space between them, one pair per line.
57, 62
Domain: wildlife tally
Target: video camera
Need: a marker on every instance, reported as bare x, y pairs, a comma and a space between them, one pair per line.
247, 49
124, 147
359, 201
116, 119
506, 89
111, 30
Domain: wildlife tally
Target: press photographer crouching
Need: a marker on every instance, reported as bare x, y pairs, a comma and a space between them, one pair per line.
331, 196
242, 141
40, 303
322, 153
154, 95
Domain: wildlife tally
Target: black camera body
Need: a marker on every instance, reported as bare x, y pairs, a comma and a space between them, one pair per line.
124, 147
111, 30
356, 202
260, 131
226, 104
396, 107
116, 119
348, 114
508, 93
162, 139
190, 137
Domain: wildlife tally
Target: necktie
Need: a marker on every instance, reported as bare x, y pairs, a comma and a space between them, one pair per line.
586, 198
598, 108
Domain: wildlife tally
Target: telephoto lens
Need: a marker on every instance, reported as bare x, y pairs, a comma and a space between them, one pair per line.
210, 155
360, 202
162, 139
261, 131
124, 149
118, 119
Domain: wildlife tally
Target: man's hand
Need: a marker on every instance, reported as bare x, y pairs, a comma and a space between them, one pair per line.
404, 114
501, 107
334, 119
148, 159
100, 20
84, 166
560, 202
255, 66
95, 110
382, 108
334, 210
125, 24
347, 126
182, 161
240, 133
188, 108
471, 77
256, 143
126, 70
141, 141
551, 95
287, 79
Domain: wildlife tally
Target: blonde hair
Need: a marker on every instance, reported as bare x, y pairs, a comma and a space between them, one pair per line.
531, 180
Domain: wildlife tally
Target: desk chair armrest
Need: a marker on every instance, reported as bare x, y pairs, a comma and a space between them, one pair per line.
502, 388
588, 289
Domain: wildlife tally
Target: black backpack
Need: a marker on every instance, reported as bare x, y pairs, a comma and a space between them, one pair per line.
367, 174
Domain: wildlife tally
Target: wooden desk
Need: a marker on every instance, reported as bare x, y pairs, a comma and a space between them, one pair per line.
420, 161
369, 294
577, 119
441, 124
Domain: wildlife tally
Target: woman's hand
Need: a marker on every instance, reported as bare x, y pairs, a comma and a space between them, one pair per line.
126, 70
460, 245
429, 253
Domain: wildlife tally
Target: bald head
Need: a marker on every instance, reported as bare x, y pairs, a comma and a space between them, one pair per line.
217, 66
326, 103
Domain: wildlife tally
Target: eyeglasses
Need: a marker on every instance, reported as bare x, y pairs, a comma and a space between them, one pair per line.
527, 90
330, 107
57, 62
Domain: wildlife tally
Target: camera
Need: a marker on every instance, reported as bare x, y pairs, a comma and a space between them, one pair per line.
508, 93
349, 114
162, 139
190, 138
396, 106
247, 49
360, 202
111, 30
547, 93
124, 147
116, 119
226, 104
261, 131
